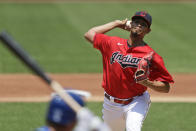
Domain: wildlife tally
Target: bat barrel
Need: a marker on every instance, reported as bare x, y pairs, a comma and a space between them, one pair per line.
9, 42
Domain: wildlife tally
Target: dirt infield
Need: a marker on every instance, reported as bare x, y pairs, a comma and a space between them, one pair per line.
25, 87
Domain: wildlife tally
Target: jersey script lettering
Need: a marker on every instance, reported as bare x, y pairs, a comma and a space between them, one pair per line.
124, 61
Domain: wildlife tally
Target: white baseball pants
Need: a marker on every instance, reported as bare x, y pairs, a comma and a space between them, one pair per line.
130, 117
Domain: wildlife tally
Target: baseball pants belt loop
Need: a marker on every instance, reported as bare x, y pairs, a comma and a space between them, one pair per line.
125, 102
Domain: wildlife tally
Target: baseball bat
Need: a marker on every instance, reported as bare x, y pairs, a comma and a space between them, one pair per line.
18, 51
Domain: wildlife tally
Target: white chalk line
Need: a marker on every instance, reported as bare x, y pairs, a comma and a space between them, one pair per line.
95, 99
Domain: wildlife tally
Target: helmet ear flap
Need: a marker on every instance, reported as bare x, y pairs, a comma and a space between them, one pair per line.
60, 113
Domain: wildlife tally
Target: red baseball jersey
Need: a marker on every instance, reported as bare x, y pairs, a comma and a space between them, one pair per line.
120, 63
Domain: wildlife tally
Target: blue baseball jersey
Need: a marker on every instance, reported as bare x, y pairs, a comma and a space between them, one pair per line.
43, 128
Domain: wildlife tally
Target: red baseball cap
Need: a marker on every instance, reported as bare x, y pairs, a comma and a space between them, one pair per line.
145, 16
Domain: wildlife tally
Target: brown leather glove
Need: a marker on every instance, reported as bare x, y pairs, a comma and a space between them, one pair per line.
142, 71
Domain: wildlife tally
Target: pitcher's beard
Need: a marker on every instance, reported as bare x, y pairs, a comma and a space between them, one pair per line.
135, 34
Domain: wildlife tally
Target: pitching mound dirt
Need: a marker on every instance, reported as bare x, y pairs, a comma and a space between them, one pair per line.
26, 87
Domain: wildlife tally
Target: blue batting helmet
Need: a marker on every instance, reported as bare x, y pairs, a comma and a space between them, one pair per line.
59, 112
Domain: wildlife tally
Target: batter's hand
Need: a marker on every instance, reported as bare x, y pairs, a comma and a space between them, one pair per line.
87, 121
142, 71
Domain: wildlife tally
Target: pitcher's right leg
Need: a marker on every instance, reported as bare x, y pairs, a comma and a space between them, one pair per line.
113, 116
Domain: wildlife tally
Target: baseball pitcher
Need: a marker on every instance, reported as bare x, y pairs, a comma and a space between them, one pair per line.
130, 66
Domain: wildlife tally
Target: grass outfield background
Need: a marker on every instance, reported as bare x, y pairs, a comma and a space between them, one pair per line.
53, 33
28, 116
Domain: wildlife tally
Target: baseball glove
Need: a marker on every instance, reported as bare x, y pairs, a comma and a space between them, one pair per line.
142, 71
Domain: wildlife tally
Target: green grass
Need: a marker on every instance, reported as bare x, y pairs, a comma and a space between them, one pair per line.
171, 117
21, 116
53, 33
161, 117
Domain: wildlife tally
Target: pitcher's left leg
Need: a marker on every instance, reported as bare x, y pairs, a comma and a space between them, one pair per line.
137, 112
